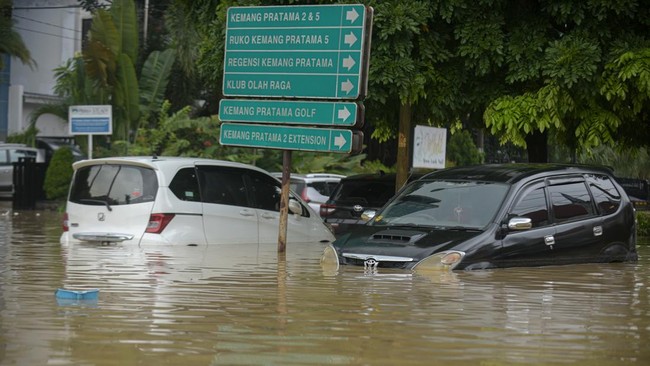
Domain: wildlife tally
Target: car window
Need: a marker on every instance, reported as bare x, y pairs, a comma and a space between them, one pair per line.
297, 186
532, 204
16, 154
185, 185
223, 185
324, 188
570, 201
607, 198
374, 193
3, 157
113, 184
265, 191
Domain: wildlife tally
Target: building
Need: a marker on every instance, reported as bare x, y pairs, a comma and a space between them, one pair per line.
52, 32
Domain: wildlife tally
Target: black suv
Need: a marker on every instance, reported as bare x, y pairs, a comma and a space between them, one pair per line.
500, 215
354, 195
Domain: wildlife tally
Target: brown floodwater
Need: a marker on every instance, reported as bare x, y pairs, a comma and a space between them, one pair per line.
245, 305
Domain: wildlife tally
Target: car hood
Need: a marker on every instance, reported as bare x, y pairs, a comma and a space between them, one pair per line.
404, 241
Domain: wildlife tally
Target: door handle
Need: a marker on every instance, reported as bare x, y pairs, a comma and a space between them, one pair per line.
549, 240
598, 230
247, 213
268, 216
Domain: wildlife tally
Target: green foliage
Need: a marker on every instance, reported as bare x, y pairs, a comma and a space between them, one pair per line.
311, 162
461, 149
372, 166
126, 99
153, 81
178, 135
59, 174
27, 137
11, 43
643, 222
626, 162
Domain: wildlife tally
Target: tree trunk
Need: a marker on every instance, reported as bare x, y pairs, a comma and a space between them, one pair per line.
537, 147
403, 143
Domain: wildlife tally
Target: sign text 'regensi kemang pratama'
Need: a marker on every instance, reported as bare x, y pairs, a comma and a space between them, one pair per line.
310, 51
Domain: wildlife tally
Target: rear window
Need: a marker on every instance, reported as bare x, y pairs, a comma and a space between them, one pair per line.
324, 188
369, 192
113, 184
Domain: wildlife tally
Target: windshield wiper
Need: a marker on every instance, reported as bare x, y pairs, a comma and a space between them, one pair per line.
459, 228
90, 200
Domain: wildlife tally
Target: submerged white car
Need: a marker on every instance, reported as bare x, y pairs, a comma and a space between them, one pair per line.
181, 201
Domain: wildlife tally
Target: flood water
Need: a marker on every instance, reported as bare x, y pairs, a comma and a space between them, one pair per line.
242, 305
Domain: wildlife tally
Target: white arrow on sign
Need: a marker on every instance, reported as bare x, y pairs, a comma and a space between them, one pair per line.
351, 15
350, 39
339, 141
348, 62
347, 86
344, 113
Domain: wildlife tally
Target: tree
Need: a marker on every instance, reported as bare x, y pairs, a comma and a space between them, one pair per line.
578, 70
11, 43
523, 69
58, 175
461, 149
106, 74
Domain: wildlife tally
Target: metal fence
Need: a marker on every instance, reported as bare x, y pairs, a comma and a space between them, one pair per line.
29, 177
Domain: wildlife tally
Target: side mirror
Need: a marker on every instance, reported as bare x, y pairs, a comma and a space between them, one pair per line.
520, 223
368, 215
295, 207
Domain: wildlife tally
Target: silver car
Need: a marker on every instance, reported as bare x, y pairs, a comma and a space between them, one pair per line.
10, 154
314, 188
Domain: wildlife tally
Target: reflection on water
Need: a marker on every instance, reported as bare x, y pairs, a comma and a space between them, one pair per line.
242, 305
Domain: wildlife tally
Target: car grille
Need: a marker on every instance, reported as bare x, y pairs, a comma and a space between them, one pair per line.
359, 262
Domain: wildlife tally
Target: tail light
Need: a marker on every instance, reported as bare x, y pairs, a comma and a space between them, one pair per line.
304, 196
327, 209
158, 222
65, 224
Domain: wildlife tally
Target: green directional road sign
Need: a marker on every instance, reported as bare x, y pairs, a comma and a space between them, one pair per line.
304, 51
289, 138
291, 112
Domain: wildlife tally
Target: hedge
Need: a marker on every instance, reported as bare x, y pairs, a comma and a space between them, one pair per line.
643, 221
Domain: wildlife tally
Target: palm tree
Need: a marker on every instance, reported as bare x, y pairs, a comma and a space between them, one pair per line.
11, 43
106, 73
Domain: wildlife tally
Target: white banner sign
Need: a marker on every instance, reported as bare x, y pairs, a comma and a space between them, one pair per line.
90, 119
430, 145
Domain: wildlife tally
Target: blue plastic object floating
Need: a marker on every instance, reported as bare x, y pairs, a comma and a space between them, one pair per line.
90, 294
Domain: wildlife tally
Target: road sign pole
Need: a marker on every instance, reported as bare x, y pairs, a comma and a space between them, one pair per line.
284, 201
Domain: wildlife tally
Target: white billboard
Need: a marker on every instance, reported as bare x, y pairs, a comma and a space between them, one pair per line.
429, 147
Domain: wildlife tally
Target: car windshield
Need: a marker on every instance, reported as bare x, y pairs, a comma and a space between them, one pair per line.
458, 204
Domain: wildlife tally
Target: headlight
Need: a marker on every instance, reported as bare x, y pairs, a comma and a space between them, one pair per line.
329, 261
443, 261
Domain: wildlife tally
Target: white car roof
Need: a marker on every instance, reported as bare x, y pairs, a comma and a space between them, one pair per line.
309, 176
166, 165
